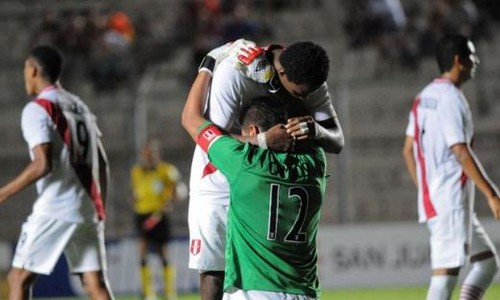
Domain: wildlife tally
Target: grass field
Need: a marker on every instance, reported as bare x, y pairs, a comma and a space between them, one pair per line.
413, 293
410, 293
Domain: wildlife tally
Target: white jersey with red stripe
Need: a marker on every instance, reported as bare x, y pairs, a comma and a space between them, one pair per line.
71, 191
440, 118
232, 85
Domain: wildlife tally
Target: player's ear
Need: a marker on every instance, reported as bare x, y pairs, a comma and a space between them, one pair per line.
253, 130
36, 70
457, 62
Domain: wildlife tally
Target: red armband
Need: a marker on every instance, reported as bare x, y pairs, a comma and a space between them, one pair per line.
207, 135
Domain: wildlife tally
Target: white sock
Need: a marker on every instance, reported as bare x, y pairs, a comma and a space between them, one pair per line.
441, 287
479, 279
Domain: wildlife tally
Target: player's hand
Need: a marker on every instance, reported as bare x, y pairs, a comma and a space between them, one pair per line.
151, 222
494, 203
301, 128
248, 51
3, 196
278, 139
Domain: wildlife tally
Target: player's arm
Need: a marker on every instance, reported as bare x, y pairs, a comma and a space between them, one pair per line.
192, 116
474, 170
452, 123
321, 124
40, 166
411, 166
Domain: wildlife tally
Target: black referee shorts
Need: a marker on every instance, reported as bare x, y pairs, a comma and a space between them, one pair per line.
159, 234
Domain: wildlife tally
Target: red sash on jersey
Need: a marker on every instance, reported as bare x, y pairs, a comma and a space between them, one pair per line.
83, 171
430, 211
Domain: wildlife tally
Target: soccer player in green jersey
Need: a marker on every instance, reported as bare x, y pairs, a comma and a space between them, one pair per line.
275, 202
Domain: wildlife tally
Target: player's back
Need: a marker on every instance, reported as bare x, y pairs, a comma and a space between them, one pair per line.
61, 193
441, 118
273, 221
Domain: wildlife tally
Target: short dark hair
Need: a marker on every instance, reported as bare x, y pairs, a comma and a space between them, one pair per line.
305, 63
50, 61
449, 46
264, 112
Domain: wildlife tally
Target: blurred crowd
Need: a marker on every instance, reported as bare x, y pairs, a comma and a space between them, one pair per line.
404, 32
110, 48
96, 44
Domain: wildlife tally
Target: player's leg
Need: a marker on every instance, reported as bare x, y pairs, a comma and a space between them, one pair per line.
484, 264
447, 241
95, 285
40, 245
161, 237
211, 285
86, 256
145, 272
442, 283
207, 233
20, 283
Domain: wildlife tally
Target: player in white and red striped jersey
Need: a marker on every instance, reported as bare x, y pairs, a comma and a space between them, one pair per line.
295, 75
70, 168
439, 156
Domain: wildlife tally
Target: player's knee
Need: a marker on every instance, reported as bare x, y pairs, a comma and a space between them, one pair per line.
441, 287
212, 278
482, 273
211, 285
20, 278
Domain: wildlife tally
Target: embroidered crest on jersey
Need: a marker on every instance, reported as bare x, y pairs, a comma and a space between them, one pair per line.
195, 247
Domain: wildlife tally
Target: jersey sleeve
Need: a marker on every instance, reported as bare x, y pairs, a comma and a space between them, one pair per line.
320, 104
452, 120
225, 96
35, 124
410, 129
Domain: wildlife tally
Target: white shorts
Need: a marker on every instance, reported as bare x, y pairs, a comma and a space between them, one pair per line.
264, 295
449, 238
43, 239
207, 235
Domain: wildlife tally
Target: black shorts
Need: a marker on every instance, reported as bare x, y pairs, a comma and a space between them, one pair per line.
158, 234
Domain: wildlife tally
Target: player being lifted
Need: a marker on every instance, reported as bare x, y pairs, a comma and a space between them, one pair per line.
295, 76
69, 167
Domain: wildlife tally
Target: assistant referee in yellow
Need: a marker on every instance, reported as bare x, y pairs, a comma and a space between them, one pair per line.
154, 184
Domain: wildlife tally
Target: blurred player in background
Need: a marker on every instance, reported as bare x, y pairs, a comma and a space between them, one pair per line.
69, 167
154, 185
439, 157
295, 76
275, 204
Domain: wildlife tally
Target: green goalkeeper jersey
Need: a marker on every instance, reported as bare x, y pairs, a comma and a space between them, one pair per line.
273, 215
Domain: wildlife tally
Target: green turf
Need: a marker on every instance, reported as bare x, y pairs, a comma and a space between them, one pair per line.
410, 293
